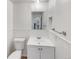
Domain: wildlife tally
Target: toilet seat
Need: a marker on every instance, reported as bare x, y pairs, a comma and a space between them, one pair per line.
15, 55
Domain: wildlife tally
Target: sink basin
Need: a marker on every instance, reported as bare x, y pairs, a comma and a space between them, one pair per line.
40, 41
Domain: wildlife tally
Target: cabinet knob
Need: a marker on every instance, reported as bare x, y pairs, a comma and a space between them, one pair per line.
38, 48
41, 49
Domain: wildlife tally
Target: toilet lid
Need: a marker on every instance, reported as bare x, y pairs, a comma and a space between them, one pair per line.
19, 39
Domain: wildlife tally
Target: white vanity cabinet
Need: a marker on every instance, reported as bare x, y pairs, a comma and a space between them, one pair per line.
32, 52
48, 53
40, 52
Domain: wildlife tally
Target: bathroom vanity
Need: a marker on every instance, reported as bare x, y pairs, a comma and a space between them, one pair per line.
40, 48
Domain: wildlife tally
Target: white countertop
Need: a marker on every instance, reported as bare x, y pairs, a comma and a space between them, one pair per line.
40, 42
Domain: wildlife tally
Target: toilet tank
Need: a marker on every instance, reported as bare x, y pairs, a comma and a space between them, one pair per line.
19, 43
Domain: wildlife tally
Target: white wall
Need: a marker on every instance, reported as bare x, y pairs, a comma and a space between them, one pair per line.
22, 20
39, 7
61, 16
52, 3
62, 22
9, 27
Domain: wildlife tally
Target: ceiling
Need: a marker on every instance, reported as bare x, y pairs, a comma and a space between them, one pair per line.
29, 0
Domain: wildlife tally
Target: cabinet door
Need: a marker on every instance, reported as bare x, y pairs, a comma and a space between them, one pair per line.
47, 53
33, 52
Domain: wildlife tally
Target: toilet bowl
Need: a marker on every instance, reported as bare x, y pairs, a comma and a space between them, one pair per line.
19, 46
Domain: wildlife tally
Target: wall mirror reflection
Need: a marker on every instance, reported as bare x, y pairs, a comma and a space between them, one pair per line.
37, 18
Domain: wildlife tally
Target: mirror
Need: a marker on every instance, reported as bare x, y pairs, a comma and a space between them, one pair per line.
37, 20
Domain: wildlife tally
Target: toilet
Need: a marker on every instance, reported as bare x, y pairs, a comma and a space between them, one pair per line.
19, 46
